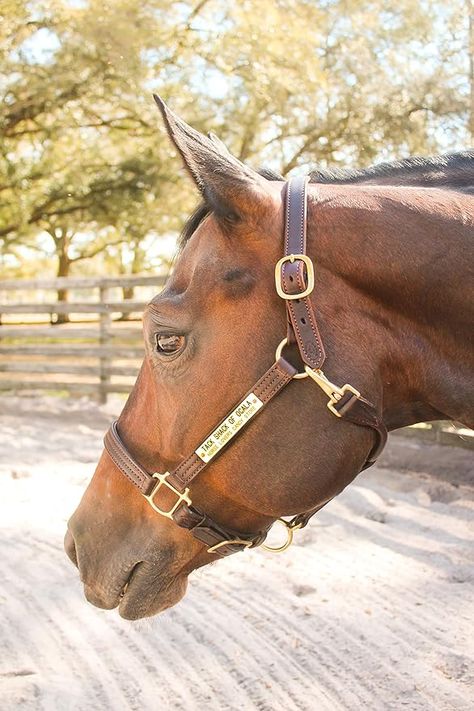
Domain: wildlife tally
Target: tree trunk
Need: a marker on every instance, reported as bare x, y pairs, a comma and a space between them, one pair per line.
64, 265
128, 292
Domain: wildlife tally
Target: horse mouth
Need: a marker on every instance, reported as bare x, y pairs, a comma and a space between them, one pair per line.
145, 589
144, 594
127, 582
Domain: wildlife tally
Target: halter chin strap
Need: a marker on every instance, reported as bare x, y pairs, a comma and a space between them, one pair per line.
294, 281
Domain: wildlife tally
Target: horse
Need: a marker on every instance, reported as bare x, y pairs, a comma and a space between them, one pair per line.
302, 321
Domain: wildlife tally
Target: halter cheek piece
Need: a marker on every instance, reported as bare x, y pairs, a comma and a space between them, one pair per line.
294, 279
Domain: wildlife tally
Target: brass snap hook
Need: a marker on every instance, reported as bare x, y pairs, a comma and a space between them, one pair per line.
289, 532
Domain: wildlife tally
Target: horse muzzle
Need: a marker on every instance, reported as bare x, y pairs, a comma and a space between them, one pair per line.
138, 588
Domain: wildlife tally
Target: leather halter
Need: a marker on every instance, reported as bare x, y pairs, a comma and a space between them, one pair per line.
294, 279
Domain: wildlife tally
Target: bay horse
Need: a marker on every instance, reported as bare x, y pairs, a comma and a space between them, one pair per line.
367, 274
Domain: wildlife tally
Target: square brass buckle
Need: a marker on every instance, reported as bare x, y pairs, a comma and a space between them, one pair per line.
309, 275
182, 496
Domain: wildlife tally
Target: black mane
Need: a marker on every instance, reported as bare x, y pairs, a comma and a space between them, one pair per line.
452, 171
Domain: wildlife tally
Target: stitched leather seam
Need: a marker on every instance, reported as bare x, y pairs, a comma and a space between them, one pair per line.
190, 469
132, 472
274, 386
303, 205
287, 230
270, 386
295, 324
115, 450
287, 225
301, 286
187, 471
131, 466
264, 387
265, 383
123, 464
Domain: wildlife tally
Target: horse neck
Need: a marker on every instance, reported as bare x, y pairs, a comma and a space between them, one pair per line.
394, 270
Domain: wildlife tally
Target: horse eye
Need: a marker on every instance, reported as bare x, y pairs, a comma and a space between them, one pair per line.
169, 343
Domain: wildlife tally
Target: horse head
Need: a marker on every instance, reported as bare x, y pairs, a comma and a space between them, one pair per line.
209, 336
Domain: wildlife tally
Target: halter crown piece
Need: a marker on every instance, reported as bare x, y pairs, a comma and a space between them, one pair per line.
294, 280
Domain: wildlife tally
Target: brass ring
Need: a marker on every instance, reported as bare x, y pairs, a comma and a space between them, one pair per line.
279, 351
286, 544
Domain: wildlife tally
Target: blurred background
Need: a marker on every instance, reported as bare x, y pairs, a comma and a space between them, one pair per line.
89, 183
92, 196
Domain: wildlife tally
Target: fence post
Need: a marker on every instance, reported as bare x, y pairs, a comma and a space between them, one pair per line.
104, 338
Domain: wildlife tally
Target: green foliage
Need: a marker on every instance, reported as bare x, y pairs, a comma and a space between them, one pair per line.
85, 165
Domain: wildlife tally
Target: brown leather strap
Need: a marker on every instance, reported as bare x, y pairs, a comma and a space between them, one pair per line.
362, 412
302, 324
302, 330
269, 385
187, 516
206, 530
127, 465
201, 526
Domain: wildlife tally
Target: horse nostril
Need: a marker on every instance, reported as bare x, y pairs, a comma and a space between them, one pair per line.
70, 547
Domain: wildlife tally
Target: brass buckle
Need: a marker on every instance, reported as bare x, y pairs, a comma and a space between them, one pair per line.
290, 529
309, 273
334, 392
238, 541
182, 496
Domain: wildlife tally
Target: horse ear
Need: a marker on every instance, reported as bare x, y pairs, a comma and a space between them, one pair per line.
230, 188
219, 144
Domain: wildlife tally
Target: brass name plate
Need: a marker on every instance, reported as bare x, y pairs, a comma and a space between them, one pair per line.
229, 427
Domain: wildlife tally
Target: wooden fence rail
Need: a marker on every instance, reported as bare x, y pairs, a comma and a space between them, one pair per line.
97, 352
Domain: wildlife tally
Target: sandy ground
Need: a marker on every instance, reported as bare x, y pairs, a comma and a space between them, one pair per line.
371, 609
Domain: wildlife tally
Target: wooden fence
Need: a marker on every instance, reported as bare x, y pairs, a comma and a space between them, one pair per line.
99, 351
96, 353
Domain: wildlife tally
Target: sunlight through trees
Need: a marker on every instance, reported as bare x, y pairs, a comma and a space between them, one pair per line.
87, 176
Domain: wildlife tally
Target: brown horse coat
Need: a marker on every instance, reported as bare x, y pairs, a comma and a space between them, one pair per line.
393, 297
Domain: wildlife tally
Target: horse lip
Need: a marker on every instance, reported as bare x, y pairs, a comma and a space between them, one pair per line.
139, 600
128, 581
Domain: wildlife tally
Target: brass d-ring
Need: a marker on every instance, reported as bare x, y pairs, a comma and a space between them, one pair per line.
278, 352
287, 543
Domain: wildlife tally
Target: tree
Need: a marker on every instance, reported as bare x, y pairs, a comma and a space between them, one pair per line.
284, 83
340, 82
77, 134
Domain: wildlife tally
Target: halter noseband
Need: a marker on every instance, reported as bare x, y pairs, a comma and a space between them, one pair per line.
294, 280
